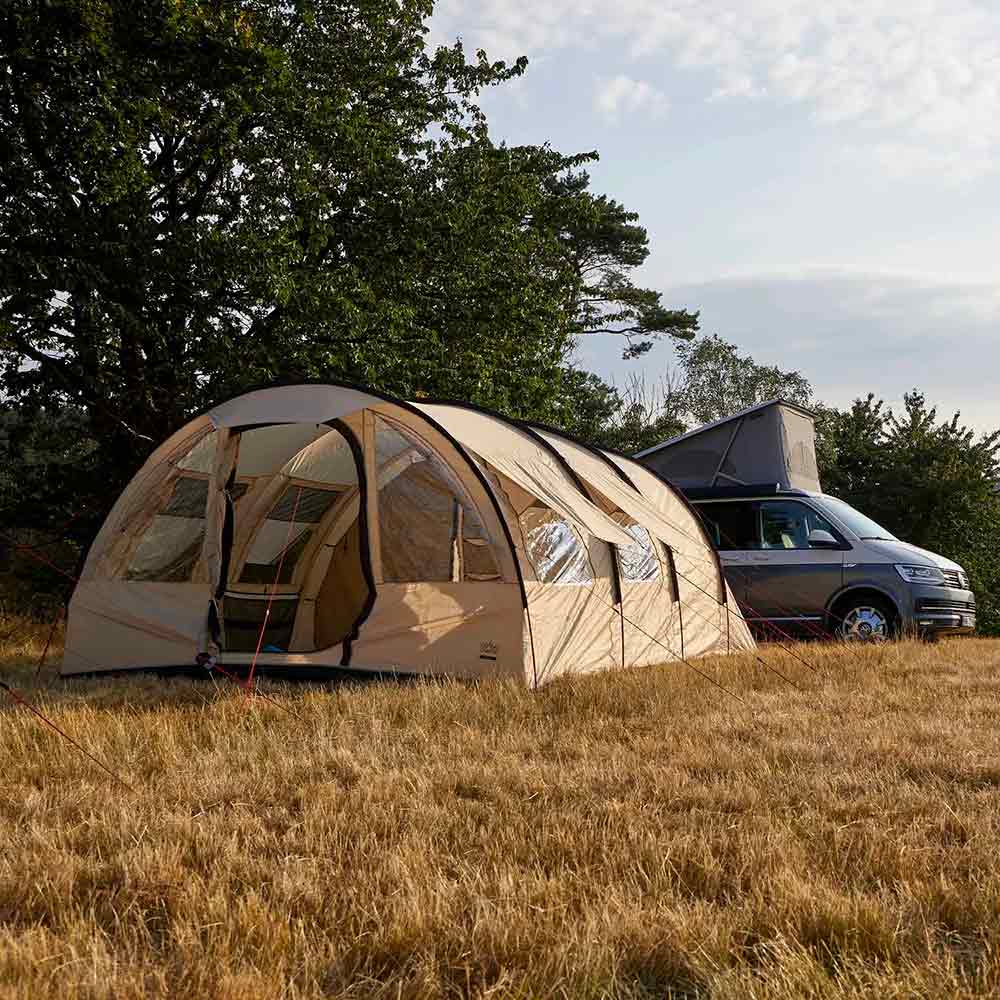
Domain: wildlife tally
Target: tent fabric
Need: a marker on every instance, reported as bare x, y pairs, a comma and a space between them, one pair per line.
770, 443
338, 528
528, 464
600, 473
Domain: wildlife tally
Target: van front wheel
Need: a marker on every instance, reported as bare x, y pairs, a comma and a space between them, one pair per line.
864, 619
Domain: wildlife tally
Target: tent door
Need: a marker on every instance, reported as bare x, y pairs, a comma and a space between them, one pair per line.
301, 580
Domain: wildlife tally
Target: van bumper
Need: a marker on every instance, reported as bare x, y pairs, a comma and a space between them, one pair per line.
940, 610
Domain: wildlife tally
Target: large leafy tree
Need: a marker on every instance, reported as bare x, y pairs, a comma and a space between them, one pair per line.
191, 194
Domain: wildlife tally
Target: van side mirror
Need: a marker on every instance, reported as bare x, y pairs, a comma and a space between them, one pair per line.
822, 539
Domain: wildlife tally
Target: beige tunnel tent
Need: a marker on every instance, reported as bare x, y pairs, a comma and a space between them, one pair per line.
316, 527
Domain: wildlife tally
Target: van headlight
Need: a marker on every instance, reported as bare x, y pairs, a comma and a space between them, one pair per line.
920, 574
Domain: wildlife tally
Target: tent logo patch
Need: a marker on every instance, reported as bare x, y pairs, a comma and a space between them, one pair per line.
488, 650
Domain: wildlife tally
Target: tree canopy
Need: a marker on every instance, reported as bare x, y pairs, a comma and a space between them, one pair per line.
199, 197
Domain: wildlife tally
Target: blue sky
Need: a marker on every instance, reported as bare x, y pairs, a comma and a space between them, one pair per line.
821, 180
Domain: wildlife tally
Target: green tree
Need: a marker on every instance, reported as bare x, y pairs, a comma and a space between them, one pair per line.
190, 189
197, 197
718, 381
603, 243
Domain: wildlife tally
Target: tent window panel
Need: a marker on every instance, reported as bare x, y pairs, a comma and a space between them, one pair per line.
478, 562
168, 551
553, 548
303, 503
245, 618
189, 498
172, 543
284, 534
638, 562
430, 529
417, 520
201, 458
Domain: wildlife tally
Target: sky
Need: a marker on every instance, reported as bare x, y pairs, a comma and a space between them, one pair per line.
820, 179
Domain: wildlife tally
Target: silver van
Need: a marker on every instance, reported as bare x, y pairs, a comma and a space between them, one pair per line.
800, 563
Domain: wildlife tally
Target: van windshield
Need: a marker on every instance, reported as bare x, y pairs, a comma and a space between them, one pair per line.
862, 526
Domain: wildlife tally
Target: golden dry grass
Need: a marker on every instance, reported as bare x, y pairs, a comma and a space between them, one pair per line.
629, 835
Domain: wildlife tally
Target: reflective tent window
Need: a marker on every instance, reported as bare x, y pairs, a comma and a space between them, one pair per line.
430, 529
553, 548
638, 562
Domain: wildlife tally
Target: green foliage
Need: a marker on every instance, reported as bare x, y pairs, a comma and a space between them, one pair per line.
932, 482
718, 381
49, 475
602, 242
197, 198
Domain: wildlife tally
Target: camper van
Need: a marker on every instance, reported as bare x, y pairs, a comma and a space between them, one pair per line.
799, 561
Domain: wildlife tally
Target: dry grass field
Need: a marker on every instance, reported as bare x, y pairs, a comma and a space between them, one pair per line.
636, 834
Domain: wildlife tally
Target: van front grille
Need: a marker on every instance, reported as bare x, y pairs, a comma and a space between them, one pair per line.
955, 579
933, 604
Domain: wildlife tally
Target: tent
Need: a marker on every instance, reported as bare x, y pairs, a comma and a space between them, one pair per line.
319, 527
773, 442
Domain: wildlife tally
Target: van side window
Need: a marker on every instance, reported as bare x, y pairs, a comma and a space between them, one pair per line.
785, 524
731, 525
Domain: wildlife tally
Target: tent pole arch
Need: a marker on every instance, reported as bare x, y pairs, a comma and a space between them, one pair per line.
409, 407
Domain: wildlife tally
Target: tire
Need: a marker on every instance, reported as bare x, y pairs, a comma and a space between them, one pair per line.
865, 619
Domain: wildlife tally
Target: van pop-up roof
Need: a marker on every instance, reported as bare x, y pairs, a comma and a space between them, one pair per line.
773, 442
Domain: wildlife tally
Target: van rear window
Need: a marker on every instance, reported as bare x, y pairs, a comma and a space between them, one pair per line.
731, 525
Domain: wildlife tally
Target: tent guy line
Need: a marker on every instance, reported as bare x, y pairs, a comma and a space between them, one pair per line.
24, 703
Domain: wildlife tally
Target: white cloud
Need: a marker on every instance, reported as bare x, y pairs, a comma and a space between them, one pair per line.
922, 75
621, 94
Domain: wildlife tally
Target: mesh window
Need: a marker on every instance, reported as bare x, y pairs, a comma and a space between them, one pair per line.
638, 562
201, 458
189, 499
244, 619
553, 548
171, 544
284, 534
303, 503
429, 527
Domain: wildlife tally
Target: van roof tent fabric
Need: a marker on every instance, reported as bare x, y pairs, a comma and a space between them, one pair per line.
774, 442
313, 528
